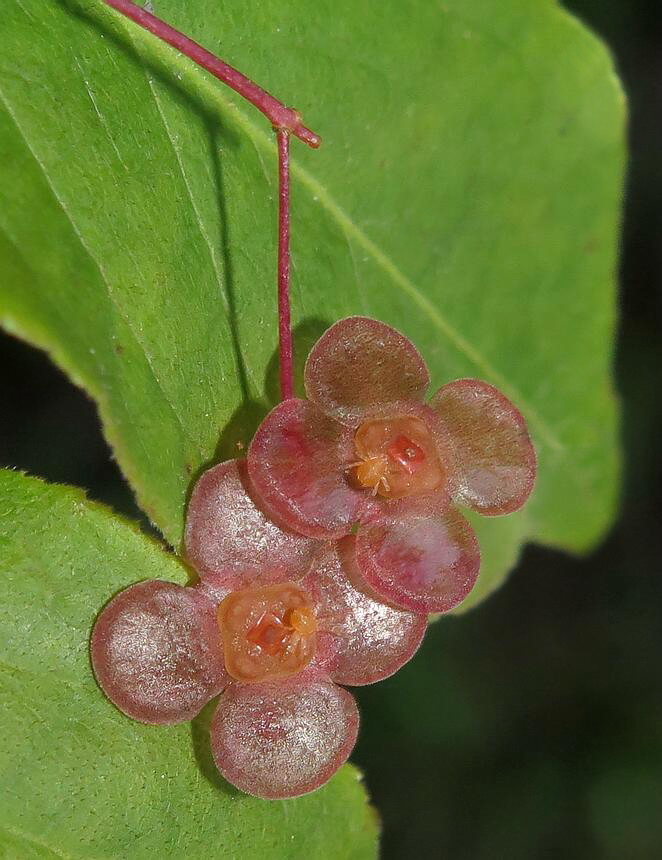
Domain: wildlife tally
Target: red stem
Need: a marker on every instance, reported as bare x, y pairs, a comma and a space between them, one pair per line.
284, 324
281, 117
285, 121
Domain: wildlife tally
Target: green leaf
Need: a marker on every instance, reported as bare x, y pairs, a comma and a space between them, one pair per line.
80, 779
468, 191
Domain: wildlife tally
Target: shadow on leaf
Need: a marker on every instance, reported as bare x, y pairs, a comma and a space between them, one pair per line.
219, 138
202, 750
304, 336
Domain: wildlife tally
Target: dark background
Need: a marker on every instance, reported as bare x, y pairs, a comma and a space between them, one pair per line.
532, 727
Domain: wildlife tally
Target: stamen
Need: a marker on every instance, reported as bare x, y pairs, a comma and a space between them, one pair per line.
302, 620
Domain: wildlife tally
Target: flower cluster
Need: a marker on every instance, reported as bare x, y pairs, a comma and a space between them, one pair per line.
319, 558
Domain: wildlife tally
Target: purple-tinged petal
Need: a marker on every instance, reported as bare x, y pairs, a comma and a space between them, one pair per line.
360, 639
298, 463
419, 557
283, 739
360, 363
231, 541
156, 652
495, 459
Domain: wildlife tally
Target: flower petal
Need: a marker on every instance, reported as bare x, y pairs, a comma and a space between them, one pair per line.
360, 639
418, 556
359, 363
495, 460
156, 652
283, 739
298, 462
228, 538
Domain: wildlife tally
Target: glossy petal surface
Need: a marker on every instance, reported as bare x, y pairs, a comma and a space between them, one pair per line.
359, 363
260, 637
298, 464
230, 539
418, 557
283, 739
495, 460
361, 639
156, 652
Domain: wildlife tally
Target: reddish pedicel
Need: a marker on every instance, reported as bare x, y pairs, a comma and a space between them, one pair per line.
285, 121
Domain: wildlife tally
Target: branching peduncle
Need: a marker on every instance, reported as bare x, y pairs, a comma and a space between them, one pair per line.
285, 121
280, 116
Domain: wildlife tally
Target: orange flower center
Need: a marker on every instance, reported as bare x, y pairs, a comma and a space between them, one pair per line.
267, 632
397, 458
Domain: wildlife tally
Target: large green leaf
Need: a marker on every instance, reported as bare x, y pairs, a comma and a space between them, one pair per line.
467, 191
80, 780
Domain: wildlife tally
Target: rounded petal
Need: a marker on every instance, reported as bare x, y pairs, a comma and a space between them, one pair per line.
418, 556
494, 457
360, 639
232, 541
156, 652
298, 463
360, 363
283, 739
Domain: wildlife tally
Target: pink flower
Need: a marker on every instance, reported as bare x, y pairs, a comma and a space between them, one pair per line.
364, 449
275, 623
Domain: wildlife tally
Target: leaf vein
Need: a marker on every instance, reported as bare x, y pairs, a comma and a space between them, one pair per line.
100, 116
33, 840
104, 277
438, 319
203, 232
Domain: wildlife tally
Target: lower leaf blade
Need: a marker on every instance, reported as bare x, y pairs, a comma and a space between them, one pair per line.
80, 779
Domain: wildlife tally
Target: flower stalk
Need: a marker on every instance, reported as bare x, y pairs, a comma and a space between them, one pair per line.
285, 121
284, 320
